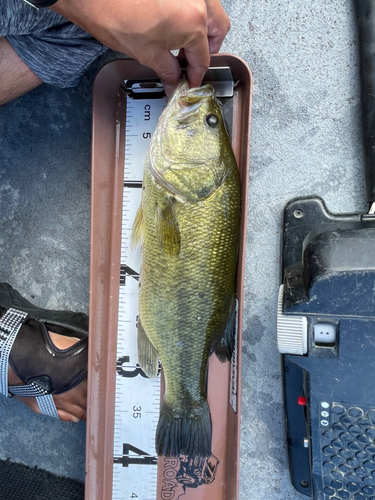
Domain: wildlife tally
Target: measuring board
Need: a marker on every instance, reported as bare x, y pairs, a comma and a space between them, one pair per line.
137, 400
123, 405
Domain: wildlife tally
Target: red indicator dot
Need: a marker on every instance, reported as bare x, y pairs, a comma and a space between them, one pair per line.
302, 400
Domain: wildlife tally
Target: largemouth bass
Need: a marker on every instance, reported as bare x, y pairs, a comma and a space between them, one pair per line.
188, 225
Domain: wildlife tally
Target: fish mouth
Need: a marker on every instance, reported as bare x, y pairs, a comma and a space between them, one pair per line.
188, 97
189, 101
205, 91
182, 89
184, 96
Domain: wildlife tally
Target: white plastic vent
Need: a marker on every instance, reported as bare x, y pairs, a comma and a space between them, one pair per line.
291, 330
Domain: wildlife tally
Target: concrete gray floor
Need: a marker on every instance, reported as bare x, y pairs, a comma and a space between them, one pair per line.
44, 244
305, 140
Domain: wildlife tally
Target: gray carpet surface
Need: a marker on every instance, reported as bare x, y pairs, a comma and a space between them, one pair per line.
20, 482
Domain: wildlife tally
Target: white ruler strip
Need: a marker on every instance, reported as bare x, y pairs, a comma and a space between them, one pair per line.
137, 399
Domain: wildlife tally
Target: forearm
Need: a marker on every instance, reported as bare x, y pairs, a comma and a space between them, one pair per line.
148, 30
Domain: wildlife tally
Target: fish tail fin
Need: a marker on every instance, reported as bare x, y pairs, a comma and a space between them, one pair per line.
186, 432
224, 347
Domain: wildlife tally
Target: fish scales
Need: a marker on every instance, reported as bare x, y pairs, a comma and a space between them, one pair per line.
186, 296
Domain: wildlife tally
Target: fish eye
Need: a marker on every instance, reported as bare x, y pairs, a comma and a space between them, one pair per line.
212, 120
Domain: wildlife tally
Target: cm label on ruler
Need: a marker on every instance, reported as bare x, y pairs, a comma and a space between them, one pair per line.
137, 398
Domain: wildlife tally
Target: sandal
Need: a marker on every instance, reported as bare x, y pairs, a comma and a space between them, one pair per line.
66, 323
26, 345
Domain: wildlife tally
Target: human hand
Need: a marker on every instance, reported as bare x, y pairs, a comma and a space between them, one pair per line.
148, 30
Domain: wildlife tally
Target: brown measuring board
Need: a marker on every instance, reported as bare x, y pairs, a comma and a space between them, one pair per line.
115, 463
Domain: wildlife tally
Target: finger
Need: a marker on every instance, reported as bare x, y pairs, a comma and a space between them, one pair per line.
195, 73
166, 66
198, 60
218, 25
214, 44
216, 38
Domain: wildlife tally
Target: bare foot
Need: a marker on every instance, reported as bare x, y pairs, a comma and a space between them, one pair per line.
71, 405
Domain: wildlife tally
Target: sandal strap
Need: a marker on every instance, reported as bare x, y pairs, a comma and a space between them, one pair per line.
68, 323
47, 406
32, 389
44, 399
10, 324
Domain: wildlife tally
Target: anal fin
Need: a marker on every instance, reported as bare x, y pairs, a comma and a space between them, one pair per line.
148, 356
224, 347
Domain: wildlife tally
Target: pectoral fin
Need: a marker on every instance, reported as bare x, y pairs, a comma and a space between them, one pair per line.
167, 230
224, 348
136, 237
148, 356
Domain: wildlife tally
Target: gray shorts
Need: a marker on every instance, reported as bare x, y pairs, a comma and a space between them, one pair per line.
56, 50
